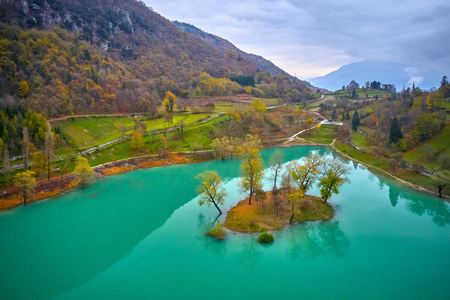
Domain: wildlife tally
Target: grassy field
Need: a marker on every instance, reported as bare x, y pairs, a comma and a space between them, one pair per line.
84, 133
361, 155
359, 139
361, 94
197, 134
92, 131
224, 106
429, 152
322, 135
270, 101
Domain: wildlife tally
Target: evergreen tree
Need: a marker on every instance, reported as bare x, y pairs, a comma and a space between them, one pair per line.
355, 120
343, 117
444, 80
333, 115
354, 94
347, 116
395, 133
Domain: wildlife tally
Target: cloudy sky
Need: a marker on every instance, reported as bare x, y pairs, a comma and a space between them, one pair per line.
311, 38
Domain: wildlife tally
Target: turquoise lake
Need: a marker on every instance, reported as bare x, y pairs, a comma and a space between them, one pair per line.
139, 235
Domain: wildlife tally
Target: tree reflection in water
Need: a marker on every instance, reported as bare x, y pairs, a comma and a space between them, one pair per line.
311, 240
250, 254
420, 204
437, 209
204, 224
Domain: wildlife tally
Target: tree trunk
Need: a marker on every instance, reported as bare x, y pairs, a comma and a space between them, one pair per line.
220, 212
440, 192
275, 180
24, 200
292, 217
250, 197
48, 169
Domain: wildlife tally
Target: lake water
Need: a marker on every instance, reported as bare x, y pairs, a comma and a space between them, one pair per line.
140, 235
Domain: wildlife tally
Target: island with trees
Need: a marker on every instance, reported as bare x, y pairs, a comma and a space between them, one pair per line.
287, 202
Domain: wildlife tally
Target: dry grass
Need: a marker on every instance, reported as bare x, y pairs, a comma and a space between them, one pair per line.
265, 215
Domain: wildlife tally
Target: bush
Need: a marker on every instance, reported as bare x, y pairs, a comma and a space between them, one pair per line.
217, 232
265, 238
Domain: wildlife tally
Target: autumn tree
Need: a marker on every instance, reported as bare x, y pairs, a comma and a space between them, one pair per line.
276, 164
169, 101
333, 176
309, 121
23, 89
294, 198
222, 147
252, 168
137, 140
26, 148
38, 163
258, 105
305, 173
210, 189
49, 149
26, 183
83, 171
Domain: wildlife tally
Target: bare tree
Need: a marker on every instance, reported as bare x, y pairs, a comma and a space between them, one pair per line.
7, 166
26, 148
49, 149
276, 164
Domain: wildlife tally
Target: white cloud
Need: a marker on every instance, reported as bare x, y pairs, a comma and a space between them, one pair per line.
417, 80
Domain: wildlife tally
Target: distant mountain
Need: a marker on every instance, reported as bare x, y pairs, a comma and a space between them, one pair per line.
401, 75
224, 45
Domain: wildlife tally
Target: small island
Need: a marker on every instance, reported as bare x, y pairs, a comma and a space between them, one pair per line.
287, 202
273, 211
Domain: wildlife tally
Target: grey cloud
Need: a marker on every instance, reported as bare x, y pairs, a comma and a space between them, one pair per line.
311, 38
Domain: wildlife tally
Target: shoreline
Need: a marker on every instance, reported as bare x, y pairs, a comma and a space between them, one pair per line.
59, 185
62, 184
389, 175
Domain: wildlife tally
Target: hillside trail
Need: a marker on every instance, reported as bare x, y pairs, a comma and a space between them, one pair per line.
323, 122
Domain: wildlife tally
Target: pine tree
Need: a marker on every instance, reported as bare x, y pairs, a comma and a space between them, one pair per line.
395, 133
355, 120
444, 80
333, 115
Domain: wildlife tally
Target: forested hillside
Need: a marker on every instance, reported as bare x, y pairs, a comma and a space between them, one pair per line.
221, 44
60, 57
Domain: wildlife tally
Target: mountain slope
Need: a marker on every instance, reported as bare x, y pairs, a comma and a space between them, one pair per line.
99, 55
224, 45
386, 72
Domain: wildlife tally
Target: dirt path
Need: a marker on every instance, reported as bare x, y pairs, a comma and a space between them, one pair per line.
323, 122
87, 116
